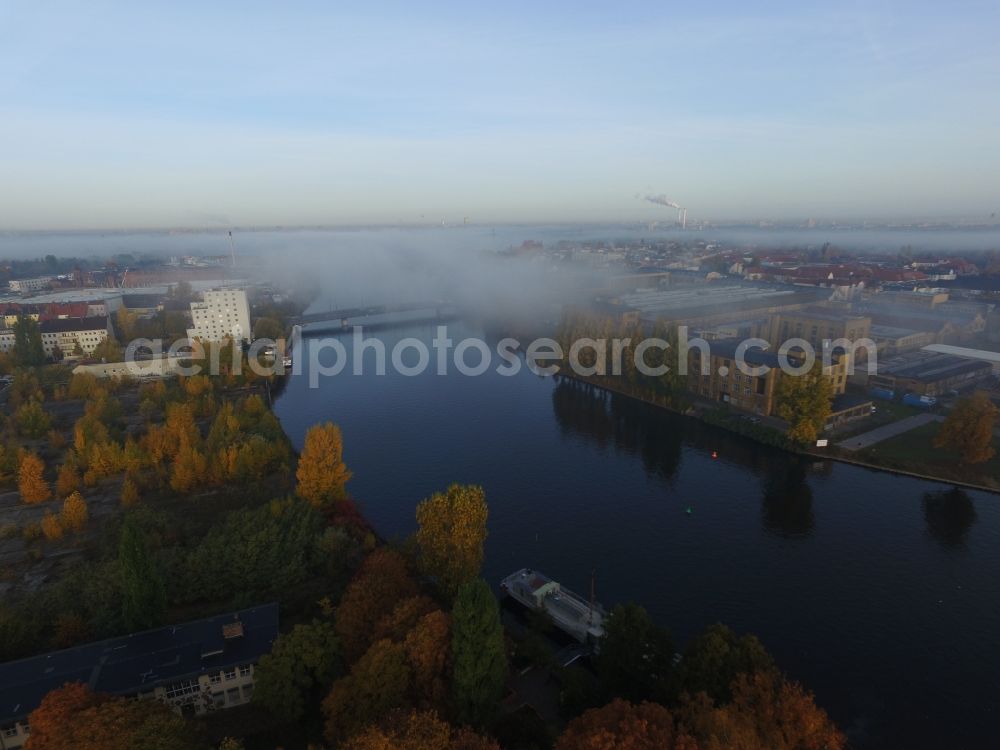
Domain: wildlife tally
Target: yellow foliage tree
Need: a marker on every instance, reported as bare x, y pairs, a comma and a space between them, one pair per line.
88, 430
126, 323
133, 458
74, 513
83, 385
105, 459
130, 492
180, 428
322, 474
190, 467
804, 401
969, 429
450, 534
31, 479
68, 480
51, 526
157, 445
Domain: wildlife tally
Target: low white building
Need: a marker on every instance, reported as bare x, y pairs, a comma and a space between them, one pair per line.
68, 333
22, 286
222, 314
65, 334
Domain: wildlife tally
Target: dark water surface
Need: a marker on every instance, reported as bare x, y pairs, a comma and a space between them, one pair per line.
880, 593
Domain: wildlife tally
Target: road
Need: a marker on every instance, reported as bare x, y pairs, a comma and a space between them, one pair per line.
868, 439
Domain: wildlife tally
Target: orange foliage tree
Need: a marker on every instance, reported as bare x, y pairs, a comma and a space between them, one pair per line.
380, 583
403, 617
31, 479
74, 513
621, 725
418, 730
379, 682
428, 651
75, 716
766, 711
51, 527
322, 474
68, 479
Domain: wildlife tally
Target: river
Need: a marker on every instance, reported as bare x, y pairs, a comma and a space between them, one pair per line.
878, 592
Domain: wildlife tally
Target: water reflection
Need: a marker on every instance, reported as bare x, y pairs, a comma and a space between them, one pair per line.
627, 425
949, 515
787, 509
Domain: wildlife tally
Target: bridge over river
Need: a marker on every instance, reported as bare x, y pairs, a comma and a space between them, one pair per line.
347, 316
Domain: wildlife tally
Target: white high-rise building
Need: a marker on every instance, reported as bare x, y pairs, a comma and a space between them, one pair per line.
224, 313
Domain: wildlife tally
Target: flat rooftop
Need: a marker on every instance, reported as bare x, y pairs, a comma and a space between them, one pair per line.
983, 355
726, 348
930, 367
139, 662
701, 299
892, 332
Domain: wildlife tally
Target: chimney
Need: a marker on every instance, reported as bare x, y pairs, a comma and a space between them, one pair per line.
232, 630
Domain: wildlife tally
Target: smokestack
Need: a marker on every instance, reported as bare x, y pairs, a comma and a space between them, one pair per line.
232, 248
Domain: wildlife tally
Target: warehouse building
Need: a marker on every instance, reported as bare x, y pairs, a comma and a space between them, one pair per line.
929, 373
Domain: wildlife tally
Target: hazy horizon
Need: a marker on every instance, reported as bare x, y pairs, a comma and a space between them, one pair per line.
184, 116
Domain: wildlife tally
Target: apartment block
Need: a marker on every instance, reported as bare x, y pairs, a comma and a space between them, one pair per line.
222, 314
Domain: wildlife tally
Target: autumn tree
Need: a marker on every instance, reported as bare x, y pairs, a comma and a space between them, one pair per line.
636, 655
403, 617
70, 629
68, 479
713, 659
143, 588
378, 683
75, 716
74, 513
56, 440
417, 730
28, 350
126, 321
31, 479
804, 401
31, 420
129, 492
478, 652
382, 581
108, 350
82, 385
89, 430
968, 429
322, 474
625, 726
450, 534
190, 467
51, 527
428, 651
302, 665
26, 387
766, 711
267, 328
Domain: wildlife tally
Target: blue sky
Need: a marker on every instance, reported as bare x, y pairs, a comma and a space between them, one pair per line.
135, 115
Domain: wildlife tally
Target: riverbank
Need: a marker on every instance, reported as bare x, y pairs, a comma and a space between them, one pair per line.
740, 424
